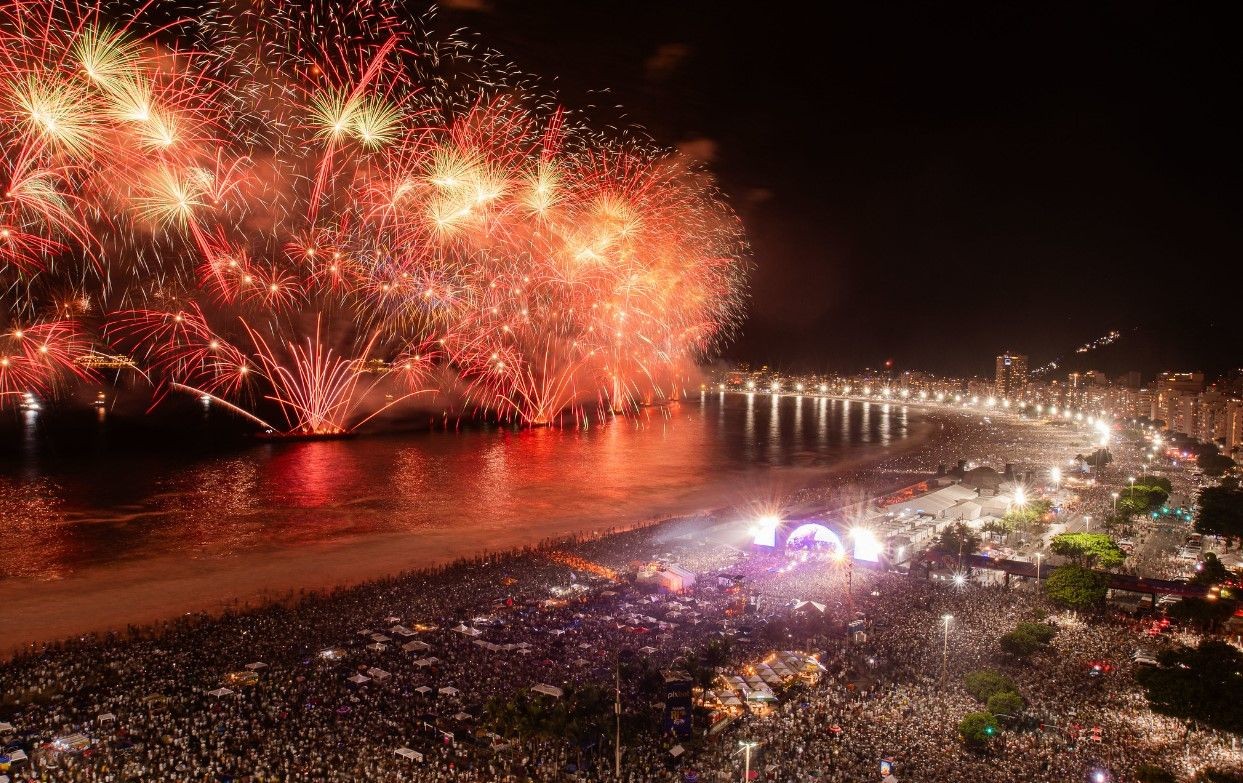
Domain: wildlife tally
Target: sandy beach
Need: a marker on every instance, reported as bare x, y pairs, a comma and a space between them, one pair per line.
138, 592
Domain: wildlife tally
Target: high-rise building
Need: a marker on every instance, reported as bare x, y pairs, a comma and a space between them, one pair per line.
1175, 400
1220, 417
1011, 376
1128, 380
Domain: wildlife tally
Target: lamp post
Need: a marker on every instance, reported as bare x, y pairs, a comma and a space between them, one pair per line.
1087, 523
1132, 480
1038, 556
945, 646
617, 713
1056, 475
1115, 497
746, 764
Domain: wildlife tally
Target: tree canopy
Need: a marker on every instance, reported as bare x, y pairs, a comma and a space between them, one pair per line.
1089, 549
1146, 495
1213, 463
1026, 639
1029, 516
958, 538
1221, 512
1210, 571
1203, 613
1097, 459
1076, 587
985, 683
1151, 773
1200, 683
978, 728
1006, 703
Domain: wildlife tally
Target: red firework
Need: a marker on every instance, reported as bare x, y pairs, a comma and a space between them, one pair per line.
323, 191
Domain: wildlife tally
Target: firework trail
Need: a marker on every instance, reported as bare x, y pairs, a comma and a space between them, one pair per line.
303, 209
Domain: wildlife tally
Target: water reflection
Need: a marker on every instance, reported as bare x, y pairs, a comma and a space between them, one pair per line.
109, 504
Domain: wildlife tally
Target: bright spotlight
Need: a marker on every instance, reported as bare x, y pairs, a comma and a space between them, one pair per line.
866, 545
764, 531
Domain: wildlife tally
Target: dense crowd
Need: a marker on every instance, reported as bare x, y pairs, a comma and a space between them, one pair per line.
338, 682
303, 720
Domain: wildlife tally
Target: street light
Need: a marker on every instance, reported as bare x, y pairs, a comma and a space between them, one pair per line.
1114, 495
1087, 523
1132, 480
1038, 556
1056, 475
747, 746
945, 647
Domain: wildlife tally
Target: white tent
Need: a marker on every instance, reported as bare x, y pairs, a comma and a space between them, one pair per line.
377, 647
106, 717
548, 690
426, 661
358, 679
647, 650
676, 750
379, 637
407, 753
467, 631
416, 646
463, 716
449, 690
423, 689
219, 692
378, 674
401, 630
256, 666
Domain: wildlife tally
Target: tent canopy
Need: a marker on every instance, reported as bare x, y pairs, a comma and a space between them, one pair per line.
407, 753
548, 690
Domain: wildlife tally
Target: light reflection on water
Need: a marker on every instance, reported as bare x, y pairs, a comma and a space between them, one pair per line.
60, 513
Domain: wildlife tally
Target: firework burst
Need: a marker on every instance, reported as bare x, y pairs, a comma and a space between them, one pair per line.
284, 206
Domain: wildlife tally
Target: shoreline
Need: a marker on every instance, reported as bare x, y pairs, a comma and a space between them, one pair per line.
137, 600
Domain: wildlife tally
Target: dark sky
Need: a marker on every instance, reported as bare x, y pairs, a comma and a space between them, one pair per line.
932, 182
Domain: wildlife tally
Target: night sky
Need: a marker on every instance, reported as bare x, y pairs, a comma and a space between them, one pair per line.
936, 183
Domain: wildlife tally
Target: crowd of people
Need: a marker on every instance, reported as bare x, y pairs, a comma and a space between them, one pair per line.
151, 705
437, 664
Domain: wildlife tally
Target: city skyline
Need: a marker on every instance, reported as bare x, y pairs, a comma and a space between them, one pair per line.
632, 393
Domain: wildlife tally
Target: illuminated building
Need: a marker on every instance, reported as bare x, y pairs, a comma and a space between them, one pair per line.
1011, 376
